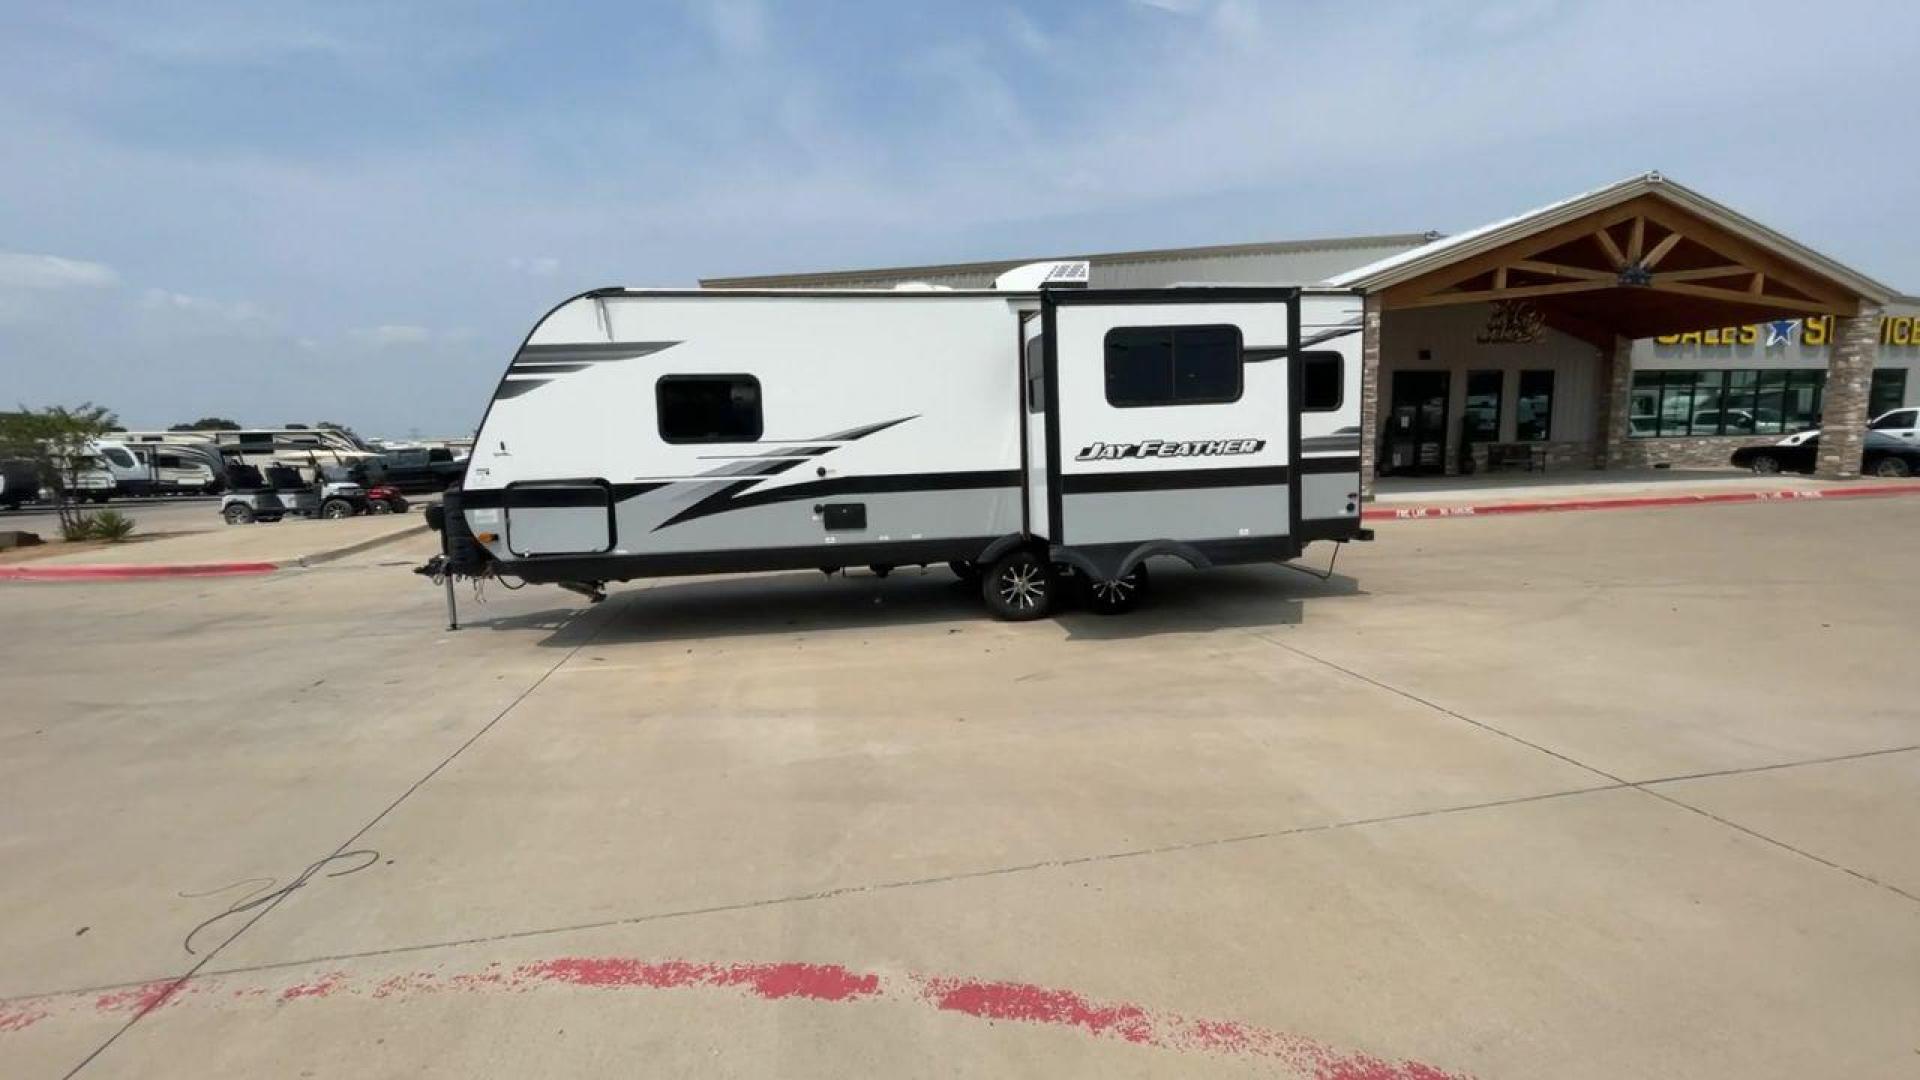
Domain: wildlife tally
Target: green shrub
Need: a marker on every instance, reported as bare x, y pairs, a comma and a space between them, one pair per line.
80, 528
111, 526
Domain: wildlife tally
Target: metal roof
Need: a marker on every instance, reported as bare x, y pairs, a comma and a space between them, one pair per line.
994, 267
1407, 265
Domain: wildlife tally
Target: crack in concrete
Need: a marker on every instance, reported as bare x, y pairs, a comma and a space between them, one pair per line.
176, 982
1642, 786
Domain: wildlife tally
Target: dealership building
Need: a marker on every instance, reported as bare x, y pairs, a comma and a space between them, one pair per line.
1639, 324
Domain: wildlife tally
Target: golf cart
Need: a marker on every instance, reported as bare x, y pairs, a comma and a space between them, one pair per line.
250, 497
335, 492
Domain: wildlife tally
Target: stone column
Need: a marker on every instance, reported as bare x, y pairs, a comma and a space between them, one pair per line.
1612, 414
1843, 405
1369, 393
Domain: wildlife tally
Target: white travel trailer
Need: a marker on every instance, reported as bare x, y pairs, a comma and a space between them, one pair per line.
1023, 437
149, 469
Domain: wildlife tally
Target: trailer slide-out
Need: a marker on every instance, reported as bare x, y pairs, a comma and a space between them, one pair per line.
1027, 437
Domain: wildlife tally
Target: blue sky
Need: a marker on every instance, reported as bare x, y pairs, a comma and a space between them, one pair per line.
354, 212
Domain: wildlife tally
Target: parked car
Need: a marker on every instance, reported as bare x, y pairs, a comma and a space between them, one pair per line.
1736, 421
1902, 424
422, 469
1883, 455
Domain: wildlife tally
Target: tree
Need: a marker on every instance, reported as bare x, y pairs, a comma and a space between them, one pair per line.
56, 441
208, 423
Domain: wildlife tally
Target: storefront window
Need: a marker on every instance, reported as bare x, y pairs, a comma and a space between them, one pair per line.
1743, 402
1533, 408
1482, 420
1676, 402
1770, 405
1737, 404
1889, 391
1709, 413
1803, 399
1643, 407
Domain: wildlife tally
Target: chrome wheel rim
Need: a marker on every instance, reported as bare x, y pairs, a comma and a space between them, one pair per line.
1115, 590
1023, 586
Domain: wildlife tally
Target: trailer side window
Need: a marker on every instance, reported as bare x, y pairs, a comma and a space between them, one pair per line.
1322, 382
1172, 365
1036, 375
708, 408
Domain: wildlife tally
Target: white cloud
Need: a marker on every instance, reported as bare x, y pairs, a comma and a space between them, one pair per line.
1027, 34
539, 266
389, 334
22, 270
225, 311
739, 27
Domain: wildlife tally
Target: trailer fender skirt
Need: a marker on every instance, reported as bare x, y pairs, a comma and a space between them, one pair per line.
1104, 562
1001, 547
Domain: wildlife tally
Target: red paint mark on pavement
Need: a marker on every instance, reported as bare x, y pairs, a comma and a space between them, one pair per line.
140, 999
1410, 513
324, 986
1038, 1005
816, 982
1296, 1056
20, 1019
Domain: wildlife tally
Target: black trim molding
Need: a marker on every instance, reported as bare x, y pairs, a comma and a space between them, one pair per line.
1174, 480
555, 568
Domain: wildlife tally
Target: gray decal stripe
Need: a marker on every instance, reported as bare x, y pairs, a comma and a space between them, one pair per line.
513, 388
543, 368
1330, 442
561, 359
616, 350
862, 432
727, 498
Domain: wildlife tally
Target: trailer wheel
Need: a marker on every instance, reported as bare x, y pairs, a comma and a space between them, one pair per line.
1020, 587
238, 514
1114, 596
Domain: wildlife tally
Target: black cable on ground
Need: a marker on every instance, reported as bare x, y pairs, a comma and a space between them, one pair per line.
261, 899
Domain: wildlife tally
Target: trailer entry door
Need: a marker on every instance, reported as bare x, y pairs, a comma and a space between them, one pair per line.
1172, 419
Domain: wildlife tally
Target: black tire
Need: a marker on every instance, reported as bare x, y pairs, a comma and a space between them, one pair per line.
1116, 596
1019, 587
965, 570
238, 514
335, 509
1764, 464
378, 506
1892, 466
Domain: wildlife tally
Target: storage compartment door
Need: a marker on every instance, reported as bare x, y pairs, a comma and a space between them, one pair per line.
560, 517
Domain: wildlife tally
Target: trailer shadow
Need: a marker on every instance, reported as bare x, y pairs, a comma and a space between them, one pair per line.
677, 609
1183, 601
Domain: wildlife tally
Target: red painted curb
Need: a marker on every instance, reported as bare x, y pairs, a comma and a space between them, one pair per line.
1409, 513
127, 573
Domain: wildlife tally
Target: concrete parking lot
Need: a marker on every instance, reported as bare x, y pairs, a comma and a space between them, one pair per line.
1577, 795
